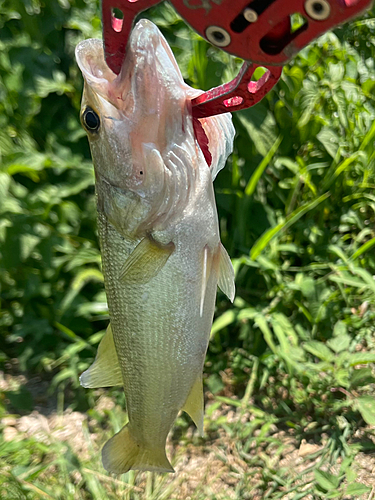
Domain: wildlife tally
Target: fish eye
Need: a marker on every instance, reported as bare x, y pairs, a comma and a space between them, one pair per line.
91, 120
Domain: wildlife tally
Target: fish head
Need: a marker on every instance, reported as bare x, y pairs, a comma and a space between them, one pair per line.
134, 119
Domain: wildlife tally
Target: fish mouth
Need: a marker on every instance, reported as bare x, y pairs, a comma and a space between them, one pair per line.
90, 59
145, 36
147, 57
149, 89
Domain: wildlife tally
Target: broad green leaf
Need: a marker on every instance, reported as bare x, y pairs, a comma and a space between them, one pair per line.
319, 350
308, 287
342, 377
333, 494
339, 329
310, 97
357, 489
361, 358
27, 244
361, 377
326, 480
45, 86
330, 140
339, 343
366, 406
336, 72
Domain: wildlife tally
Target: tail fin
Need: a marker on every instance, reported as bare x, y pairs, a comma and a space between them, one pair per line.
122, 453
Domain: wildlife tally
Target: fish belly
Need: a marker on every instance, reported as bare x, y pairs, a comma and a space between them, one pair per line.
159, 334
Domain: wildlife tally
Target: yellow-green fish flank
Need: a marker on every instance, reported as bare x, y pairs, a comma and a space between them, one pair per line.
159, 236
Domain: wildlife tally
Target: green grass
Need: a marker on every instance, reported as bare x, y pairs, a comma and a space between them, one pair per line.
247, 453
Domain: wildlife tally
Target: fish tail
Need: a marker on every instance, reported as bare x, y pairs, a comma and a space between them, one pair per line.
122, 453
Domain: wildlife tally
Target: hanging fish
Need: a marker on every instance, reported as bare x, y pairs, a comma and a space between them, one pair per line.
159, 236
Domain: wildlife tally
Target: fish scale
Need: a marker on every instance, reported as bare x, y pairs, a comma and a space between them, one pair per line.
168, 363
159, 238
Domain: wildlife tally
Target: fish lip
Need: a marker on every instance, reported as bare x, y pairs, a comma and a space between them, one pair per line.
142, 50
85, 53
143, 33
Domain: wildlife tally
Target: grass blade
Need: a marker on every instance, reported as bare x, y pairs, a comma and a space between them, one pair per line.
266, 237
254, 179
363, 248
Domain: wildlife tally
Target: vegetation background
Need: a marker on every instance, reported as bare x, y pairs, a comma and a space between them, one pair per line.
289, 376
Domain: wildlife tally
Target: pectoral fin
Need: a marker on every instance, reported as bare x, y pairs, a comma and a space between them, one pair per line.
194, 404
145, 262
226, 275
105, 371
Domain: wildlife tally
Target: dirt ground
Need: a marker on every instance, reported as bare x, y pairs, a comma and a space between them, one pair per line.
218, 462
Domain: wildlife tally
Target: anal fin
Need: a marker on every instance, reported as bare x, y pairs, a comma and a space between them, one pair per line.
145, 262
105, 371
226, 275
194, 405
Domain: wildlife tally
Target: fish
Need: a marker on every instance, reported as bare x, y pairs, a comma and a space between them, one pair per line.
158, 228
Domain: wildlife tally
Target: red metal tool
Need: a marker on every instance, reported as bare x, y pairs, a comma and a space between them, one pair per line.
258, 31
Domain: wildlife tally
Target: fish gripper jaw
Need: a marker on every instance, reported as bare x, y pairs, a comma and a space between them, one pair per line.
264, 33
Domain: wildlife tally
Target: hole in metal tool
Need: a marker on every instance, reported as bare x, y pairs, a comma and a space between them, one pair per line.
233, 101
258, 73
297, 21
258, 79
117, 19
249, 15
283, 33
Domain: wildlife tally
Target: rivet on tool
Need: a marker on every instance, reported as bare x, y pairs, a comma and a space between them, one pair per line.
218, 36
250, 15
318, 10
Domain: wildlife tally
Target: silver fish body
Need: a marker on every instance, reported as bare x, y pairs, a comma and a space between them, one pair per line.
159, 236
